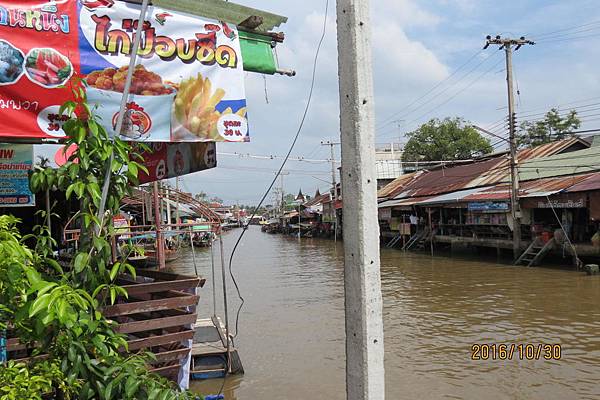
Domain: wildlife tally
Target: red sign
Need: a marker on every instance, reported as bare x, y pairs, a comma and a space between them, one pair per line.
39, 52
168, 160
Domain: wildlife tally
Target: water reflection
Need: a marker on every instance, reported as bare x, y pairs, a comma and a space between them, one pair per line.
291, 338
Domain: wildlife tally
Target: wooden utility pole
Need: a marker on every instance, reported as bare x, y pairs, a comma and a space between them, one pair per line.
334, 183
365, 379
515, 208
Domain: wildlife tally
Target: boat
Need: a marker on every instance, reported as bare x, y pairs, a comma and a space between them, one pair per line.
203, 239
211, 357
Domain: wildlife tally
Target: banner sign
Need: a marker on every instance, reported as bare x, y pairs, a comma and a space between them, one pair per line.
488, 206
15, 163
168, 160
188, 83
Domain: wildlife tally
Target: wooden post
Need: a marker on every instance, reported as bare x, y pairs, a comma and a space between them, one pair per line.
160, 242
430, 232
365, 378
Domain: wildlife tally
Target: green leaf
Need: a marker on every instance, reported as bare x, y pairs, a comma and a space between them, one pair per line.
70, 190
113, 295
39, 304
81, 134
81, 261
131, 386
114, 271
93, 127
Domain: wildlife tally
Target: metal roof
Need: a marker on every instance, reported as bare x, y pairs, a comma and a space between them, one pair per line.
223, 11
403, 202
453, 197
392, 188
446, 180
537, 188
487, 172
576, 162
591, 182
317, 200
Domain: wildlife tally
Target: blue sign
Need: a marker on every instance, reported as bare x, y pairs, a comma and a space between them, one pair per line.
488, 206
15, 163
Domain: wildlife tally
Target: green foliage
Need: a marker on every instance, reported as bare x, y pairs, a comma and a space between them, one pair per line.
58, 308
552, 127
15, 261
19, 381
445, 140
82, 177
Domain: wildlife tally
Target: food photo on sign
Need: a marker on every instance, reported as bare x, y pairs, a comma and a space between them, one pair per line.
187, 86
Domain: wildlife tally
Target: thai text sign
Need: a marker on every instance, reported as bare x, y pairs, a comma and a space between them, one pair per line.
579, 203
188, 82
488, 206
15, 164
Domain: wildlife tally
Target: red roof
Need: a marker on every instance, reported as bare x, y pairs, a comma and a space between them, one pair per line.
592, 182
539, 187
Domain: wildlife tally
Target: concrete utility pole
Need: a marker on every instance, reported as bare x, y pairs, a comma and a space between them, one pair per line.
334, 183
506, 44
365, 379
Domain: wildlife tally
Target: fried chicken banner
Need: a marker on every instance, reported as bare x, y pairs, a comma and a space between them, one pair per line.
188, 82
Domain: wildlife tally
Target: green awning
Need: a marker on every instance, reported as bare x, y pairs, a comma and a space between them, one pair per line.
257, 53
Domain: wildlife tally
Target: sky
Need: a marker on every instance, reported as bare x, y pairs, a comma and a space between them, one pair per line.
428, 63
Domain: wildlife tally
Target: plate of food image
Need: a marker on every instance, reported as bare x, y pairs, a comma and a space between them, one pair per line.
47, 67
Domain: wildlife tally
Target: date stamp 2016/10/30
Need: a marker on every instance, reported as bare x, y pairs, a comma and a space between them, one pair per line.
516, 351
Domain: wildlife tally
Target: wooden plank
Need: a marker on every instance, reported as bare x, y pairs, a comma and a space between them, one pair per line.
13, 344
155, 323
171, 355
154, 287
168, 371
164, 276
152, 341
150, 305
211, 348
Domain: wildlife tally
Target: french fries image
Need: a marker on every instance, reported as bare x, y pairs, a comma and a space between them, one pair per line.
195, 106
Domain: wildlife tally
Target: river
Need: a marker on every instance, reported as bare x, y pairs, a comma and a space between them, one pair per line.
291, 328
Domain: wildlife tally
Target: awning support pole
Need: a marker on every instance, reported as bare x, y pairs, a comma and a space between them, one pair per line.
124, 99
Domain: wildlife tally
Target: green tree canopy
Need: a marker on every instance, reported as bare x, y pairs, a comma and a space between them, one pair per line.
552, 127
447, 139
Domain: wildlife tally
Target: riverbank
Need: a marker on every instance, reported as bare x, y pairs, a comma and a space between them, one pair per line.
291, 336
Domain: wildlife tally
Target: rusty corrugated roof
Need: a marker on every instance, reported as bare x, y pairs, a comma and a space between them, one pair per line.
537, 188
592, 182
477, 174
394, 187
446, 180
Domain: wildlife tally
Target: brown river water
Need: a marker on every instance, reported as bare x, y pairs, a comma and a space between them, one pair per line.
291, 329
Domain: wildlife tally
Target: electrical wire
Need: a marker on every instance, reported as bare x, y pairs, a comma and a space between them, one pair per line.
457, 93
407, 113
386, 120
553, 33
301, 125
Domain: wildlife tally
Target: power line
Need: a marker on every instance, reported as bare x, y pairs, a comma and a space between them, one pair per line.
436, 97
456, 94
274, 157
567, 31
433, 88
293, 144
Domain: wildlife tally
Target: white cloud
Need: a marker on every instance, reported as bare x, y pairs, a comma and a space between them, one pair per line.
403, 68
